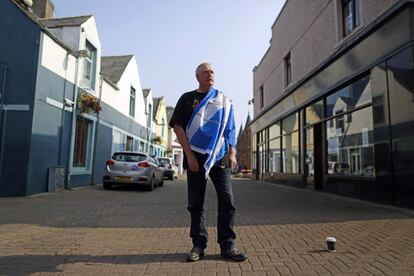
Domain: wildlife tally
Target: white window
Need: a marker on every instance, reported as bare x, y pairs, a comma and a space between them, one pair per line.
132, 102
89, 64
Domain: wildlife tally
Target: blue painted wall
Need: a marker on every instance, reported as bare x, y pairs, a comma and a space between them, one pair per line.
35, 140
103, 152
19, 50
50, 131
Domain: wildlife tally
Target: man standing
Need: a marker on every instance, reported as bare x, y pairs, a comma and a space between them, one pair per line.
204, 124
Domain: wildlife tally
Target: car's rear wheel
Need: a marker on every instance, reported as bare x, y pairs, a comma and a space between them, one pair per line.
151, 184
107, 186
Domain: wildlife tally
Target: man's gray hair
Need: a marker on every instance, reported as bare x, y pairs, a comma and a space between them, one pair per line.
201, 65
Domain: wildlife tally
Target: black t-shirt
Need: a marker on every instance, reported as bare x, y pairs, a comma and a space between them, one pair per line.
185, 107
181, 115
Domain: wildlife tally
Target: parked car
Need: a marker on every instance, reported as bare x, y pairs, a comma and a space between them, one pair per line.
126, 168
170, 168
338, 168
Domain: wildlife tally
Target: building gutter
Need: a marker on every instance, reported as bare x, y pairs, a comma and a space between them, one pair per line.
73, 127
95, 142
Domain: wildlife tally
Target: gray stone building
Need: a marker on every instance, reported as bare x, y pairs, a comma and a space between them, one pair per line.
334, 99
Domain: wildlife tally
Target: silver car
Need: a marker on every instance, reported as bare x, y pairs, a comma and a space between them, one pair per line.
170, 169
126, 168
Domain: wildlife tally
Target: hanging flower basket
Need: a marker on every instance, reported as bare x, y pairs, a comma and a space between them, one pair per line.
88, 103
157, 140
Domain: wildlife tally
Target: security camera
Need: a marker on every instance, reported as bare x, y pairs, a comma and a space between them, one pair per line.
69, 102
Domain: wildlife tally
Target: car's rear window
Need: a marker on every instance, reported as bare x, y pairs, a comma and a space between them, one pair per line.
128, 157
164, 161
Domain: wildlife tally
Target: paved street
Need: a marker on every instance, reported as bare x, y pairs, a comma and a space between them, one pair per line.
129, 231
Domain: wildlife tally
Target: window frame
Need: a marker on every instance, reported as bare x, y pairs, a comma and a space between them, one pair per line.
132, 101
89, 65
287, 64
261, 96
89, 133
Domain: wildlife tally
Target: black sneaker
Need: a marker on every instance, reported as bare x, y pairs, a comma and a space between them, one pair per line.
234, 254
195, 254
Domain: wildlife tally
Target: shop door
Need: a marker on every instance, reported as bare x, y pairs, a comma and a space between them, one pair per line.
314, 157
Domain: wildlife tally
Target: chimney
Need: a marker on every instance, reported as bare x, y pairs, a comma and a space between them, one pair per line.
43, 8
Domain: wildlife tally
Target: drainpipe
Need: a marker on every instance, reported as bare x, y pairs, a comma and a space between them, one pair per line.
95, 142
78, 55
62, 121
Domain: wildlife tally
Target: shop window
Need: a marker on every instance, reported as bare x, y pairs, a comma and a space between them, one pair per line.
348, 98
82, 142
350, 149
274, 130
314, 113
274, 155
290, 124
401, 94
290, 144
378, 109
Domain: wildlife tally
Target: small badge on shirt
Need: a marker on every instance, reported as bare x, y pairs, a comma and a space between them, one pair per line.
195, 103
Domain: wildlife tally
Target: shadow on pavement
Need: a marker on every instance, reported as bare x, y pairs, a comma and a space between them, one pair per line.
28, 264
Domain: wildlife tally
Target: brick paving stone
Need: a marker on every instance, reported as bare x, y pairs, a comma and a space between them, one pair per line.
129, 231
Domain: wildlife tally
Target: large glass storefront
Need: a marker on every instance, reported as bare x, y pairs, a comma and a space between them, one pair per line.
356, 140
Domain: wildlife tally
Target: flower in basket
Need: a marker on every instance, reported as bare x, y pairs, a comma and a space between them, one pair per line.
87, 103
157, 140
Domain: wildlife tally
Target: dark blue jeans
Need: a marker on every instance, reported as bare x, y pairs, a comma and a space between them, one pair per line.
196, 182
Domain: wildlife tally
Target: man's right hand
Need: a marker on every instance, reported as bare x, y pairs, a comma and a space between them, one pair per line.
192, 162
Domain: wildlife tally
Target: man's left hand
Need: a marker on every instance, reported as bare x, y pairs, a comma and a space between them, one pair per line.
232, 158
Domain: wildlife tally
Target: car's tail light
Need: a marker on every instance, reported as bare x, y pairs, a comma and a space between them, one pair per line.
110, 162
143, 164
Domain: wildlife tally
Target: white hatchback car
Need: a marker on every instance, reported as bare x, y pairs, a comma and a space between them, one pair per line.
170, 168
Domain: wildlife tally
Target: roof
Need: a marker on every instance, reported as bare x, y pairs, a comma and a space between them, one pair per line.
112, 67
170, 111
64, 21
156, 102
38, 22
240, 132
247, 121
145, 92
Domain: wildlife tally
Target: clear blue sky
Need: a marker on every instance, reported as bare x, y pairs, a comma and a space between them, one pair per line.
171, 37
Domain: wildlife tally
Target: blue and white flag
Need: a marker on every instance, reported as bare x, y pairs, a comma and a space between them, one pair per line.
211, 129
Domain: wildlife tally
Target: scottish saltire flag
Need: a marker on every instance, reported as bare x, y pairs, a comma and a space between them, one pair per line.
211, 129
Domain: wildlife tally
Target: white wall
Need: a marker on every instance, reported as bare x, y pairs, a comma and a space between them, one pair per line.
90, 33
120, 99
54, 58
